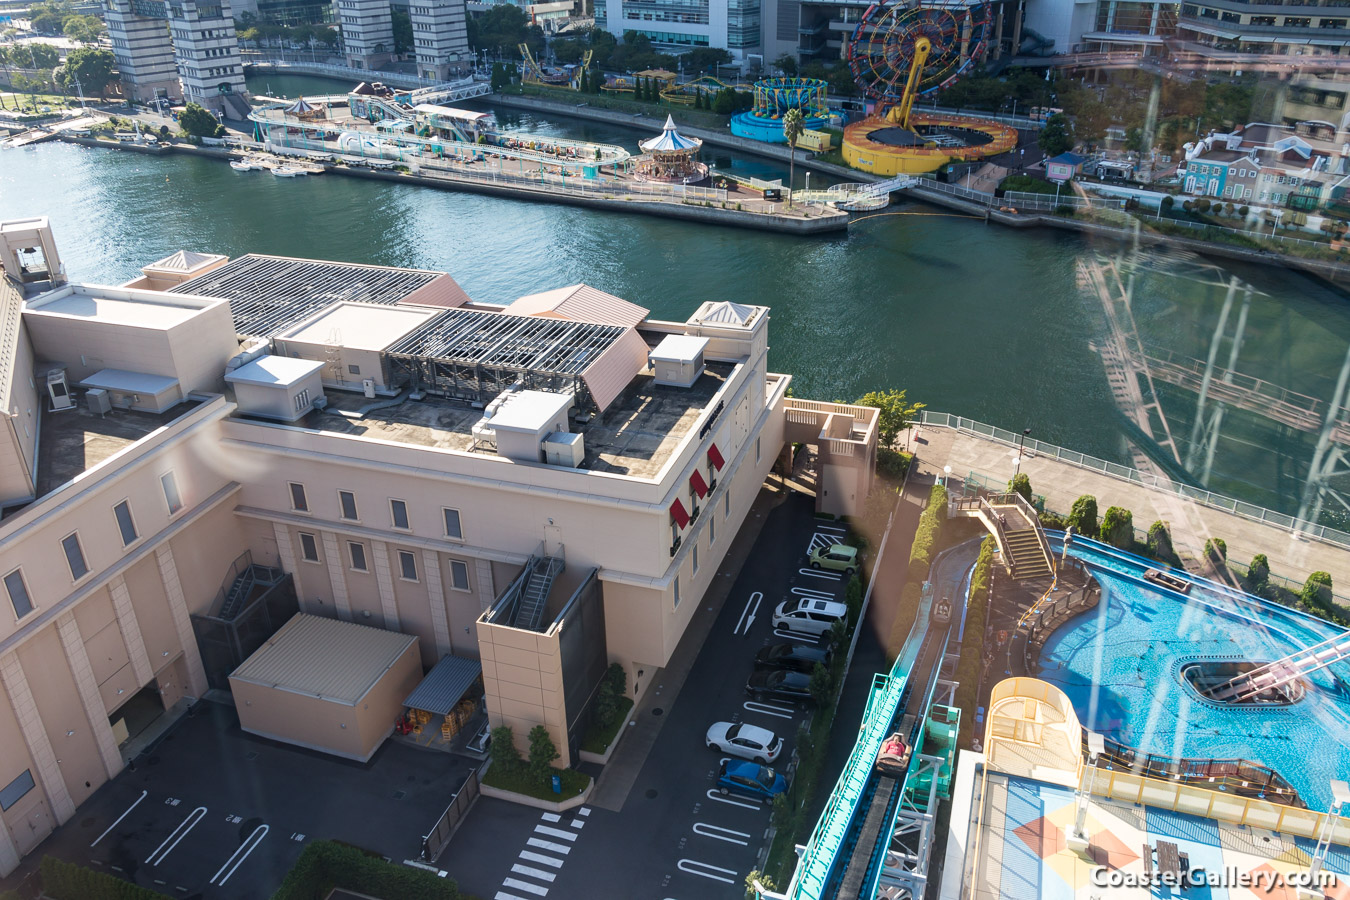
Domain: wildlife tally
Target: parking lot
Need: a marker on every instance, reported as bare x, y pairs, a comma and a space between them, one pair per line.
675, 836
215, 813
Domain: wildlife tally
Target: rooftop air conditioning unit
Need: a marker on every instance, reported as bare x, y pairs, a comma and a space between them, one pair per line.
564, 448
368, 388
96, 400
58, 390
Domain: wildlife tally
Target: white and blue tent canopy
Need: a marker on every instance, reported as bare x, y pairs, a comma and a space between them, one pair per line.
670, 140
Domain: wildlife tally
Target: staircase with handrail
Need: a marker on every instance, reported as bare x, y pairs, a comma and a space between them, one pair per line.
1016, 528
541, 570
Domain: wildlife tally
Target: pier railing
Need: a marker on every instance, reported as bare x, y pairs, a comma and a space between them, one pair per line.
581, 186
1116, 470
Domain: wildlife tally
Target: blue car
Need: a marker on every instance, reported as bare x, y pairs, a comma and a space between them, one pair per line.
750, 779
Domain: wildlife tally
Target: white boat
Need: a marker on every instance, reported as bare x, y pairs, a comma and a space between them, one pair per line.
243, 165
288, 171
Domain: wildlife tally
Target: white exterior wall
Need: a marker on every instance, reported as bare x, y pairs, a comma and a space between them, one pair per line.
207, 51
439, 37
367, 31
144, 52
18, 436
1063, 21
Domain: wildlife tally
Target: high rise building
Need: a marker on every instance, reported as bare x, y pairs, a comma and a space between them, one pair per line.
207, 51
143, 48
367, 32
674, 27
439, 38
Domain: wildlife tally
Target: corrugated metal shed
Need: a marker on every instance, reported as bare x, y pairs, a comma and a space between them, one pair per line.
325, 658
580, 303
616, 368
444, 685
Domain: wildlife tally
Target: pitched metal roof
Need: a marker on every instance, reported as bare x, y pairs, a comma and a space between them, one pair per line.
615, 368
724, 312
581, 303
324, 658
444, 685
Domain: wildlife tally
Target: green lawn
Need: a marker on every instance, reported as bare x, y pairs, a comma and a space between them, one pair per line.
597, 740
519, 781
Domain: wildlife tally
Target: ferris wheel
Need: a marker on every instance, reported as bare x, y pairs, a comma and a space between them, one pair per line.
900, 51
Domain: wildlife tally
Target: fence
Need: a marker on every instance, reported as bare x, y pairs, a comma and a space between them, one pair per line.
433, 845
1126, 473
581, 186
1248, 234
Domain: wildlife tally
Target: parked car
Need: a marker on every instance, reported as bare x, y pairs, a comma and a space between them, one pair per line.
837, 557
746, 741
779, 685
893, 759
792, 658
809, 616
751, 780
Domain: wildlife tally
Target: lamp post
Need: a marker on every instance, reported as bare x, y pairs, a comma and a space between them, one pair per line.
1340, 796
946, 473
1078, 838
1017, 460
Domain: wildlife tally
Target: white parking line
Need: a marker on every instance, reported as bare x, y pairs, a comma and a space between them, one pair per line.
165, 848
717, 832
694, 867
541, 859
120, 818
503, 895
549, 845
813, 593
247, 847
551, 817
556, 832
518, 885
748, 614
816, 573
769, 709
533, 872
714, 794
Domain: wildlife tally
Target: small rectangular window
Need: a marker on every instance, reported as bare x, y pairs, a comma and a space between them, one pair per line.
309, 547
354, 370
459, 575
677, 591
75, 556
357, 552
696, 556
398, 512
18, 593
171, 498
347, 502
407, 565
125, 523
299, 502
712, 530
452, 524
14, 791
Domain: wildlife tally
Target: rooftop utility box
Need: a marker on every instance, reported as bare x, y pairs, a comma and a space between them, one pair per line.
136, 390
678, 360
521, 421
328, 685
277, 387
563, 448
350, 339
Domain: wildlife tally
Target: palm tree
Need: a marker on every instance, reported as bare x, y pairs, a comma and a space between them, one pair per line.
793, 126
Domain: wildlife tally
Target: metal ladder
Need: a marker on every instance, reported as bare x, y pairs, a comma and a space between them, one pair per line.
534, 597
1283, 671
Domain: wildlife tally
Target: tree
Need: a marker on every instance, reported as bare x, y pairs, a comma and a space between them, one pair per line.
706, 59
1167, 203
542, 752
34, 56
1160, 542
724, 104
198, 122
1216, 551
1118, 527
85, 29
1083, 516
793, 126
1316, 593
1258, 574
92, 67
1021, 484
820, 686
403, 30
787, 64
1057, 135
504, 750
896, 415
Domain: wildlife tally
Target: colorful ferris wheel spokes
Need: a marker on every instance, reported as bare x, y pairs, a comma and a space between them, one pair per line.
882, 48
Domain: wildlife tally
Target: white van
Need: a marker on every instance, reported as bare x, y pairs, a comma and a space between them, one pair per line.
809, 616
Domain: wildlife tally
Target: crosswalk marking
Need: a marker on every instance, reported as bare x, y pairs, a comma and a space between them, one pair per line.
533, 872
549, 845
541, 859
585, 811
551, 817
556, 832
578, 823
503, 895
518, 885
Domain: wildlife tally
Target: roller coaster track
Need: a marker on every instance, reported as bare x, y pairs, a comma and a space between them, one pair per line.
706, 84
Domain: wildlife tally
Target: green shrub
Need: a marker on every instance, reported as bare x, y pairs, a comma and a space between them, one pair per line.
1118, 528
1083, 516
66, 881
504, 751
853, 596
542, 752
1258, 574
1021, 484
1216, 551
764, 881
927, 535
328, 864
972, 645
892, 464
1160, 542
1316, 593
1053, 520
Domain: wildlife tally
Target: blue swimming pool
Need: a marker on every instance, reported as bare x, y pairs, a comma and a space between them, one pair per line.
1120, 664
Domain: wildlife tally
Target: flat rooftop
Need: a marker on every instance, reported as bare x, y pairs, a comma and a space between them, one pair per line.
359, 326
73, 441
140, 309
1023, 854
634, 437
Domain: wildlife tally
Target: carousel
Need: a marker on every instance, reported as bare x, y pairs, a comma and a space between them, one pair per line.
669, 158
304, 111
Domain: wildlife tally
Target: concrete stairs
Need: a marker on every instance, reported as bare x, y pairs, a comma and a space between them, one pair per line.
1026, 556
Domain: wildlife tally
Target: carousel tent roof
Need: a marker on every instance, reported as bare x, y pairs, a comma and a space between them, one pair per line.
670, 139
300, 106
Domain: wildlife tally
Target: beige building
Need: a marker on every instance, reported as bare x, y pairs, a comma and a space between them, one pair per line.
523, 491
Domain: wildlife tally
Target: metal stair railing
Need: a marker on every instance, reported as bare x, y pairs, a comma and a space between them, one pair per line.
1283, 671
534, 596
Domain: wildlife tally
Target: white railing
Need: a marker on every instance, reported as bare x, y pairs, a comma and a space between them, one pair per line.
1127, 473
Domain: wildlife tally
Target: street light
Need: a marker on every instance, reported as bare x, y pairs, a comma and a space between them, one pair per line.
1078, 838
946, 473
1017, 460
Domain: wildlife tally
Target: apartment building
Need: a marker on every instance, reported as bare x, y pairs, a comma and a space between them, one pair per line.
367, 32
546, 488
440, 40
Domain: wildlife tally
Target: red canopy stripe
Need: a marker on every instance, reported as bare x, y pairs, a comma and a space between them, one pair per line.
715, 457
678, 514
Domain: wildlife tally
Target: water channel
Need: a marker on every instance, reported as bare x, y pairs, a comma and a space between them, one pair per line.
985, 321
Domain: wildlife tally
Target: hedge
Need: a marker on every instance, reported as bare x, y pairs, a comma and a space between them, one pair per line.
972, 646
928, 534
326, 865
62, 880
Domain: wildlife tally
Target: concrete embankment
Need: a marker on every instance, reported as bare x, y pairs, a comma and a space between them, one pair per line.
833, 223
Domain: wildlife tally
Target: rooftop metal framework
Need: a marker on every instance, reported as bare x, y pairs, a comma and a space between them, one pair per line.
474, 355
270, 293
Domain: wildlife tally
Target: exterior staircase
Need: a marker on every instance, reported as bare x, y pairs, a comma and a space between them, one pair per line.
1016, 527
542, 570
1025, 558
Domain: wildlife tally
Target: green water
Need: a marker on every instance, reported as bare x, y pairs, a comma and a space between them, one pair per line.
985, 321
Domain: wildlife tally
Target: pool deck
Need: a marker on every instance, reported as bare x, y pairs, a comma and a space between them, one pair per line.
1023, 854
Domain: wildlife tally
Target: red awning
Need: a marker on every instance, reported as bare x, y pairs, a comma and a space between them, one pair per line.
678, 514
715, 457
698, 484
